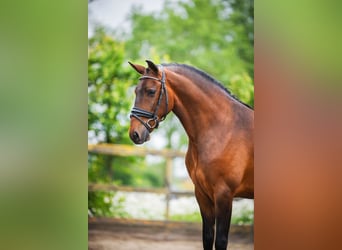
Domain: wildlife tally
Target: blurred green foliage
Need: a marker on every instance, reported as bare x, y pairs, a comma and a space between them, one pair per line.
245, 217
109, 81
100, 204
215, 36
110, 96
108, 84
191, 217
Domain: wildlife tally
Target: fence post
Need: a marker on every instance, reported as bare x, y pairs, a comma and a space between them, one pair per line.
168, 180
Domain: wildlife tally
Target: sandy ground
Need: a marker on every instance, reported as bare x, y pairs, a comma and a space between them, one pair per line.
141, 235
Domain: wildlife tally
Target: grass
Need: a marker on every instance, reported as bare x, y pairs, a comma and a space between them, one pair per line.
193, 217
246, 217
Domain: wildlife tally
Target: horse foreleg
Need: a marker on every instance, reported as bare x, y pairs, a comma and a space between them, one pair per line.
223, 212
208, 219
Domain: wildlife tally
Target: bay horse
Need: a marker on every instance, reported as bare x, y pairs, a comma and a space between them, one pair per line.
220, 156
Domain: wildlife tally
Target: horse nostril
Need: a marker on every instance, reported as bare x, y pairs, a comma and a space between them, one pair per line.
135, 136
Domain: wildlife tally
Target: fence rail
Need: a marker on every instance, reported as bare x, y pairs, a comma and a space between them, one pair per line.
126, 150
112, 187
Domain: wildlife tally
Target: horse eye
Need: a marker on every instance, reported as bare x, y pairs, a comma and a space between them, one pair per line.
151, 92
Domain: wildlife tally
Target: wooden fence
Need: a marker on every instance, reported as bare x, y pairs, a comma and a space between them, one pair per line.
125, 150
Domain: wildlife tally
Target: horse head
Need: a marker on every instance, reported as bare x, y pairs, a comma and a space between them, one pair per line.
152, 103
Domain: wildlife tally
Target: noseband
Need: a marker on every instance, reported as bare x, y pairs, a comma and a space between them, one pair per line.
153, 119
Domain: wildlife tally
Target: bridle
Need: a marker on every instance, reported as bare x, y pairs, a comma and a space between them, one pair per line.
153, 119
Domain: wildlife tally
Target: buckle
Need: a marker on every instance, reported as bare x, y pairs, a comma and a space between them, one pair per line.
154, 124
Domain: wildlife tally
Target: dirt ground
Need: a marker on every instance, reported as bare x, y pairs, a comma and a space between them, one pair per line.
105, 234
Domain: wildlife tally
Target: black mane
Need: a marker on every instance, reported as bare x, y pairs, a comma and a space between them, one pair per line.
207, 77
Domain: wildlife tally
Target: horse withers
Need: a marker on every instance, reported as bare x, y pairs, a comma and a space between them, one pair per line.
220, 156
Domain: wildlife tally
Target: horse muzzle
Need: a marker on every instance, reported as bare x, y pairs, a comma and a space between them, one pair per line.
139, 135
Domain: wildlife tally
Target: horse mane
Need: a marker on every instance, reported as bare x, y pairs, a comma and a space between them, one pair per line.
207, 77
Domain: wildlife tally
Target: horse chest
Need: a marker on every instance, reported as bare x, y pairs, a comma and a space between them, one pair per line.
198, 175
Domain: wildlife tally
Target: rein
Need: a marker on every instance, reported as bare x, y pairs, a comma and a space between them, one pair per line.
153, 119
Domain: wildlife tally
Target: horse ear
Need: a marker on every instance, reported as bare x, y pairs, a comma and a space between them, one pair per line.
152, 66
138, 68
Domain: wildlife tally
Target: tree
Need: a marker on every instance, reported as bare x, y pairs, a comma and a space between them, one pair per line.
215, 36
109, 83
110, 97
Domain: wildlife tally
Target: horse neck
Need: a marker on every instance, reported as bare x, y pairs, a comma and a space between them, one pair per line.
199, 106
